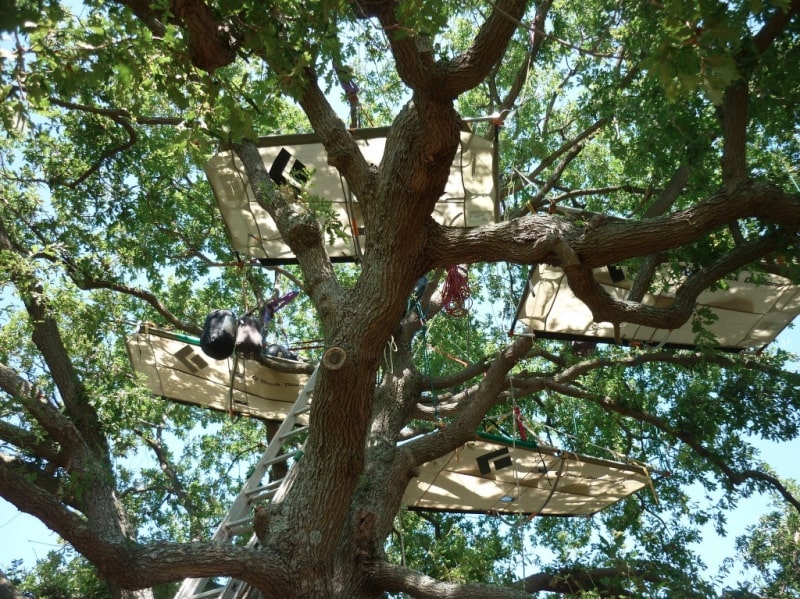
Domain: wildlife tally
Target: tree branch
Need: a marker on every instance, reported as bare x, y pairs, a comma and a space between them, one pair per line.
301, 232
117, 113
340, 147
88, 282
30, 443
474, 408
734, 133
462, 376
577, 581
662, 204
775, 26
176, 486
84, 280
451, 404
606, 308
121, 117
47, 338
51, 419
608, 404
536, 41
734, 110
445, 81
563, 383
533, 238
399, 579
671, 192
110, 152
577, 193
32, 499
8, 590
566, 147
140, 566
537, 201
734, 477
211, 42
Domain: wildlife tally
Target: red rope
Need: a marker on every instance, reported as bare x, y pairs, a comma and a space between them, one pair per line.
520, 424
456, 295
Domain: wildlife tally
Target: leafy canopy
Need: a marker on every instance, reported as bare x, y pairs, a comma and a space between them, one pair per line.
633, 110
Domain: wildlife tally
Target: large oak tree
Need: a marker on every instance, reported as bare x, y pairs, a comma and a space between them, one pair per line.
676, 122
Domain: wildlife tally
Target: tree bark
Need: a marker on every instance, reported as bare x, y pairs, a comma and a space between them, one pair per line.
8, 590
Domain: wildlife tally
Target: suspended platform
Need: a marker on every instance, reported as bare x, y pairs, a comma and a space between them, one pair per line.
749, 314
301, 161
173, 366
489, 475
495, 475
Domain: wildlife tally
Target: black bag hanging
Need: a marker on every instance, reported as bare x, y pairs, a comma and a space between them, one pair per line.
219, 334
249, 339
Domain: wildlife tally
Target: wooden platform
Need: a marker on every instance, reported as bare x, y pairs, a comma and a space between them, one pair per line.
301, 161
495, 475
173, 366
749, 314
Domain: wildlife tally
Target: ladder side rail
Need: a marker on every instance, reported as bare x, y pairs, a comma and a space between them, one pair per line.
235, 516
191, 587
241, 505
233, 589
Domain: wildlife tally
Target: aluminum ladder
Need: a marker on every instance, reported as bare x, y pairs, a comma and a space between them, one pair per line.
239, 520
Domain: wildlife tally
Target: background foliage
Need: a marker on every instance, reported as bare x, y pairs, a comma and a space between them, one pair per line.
105, 127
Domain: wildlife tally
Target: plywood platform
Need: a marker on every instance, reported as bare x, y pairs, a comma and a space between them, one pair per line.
495, 475
749, 314
301, 161
173, 366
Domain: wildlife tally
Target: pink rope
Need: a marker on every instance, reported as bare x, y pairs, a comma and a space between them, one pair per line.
276, 304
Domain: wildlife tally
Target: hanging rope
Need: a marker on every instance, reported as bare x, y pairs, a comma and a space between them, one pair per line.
346, 78
416, 306
426, 358
553, 485
231, 412
523, 437
243, 280
350, 208
391, 348
615, 455
456, 294
402, 540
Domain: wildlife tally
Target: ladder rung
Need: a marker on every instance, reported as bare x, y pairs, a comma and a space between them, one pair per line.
282, 458
292, 433
243, 523
265, 490
262, 493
